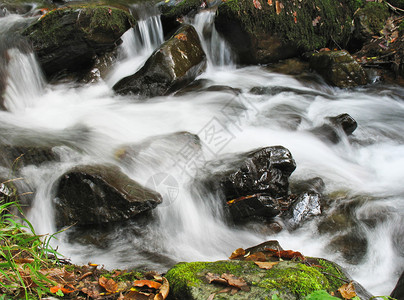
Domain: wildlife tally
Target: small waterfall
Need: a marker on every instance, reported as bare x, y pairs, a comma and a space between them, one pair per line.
20, 72
217, 51
138, 43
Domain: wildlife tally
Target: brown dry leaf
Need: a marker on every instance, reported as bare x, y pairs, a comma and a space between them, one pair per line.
55, 289
286, 254
108, 284
237, 253
270, 2
236, 281
347, 290
134, 295
164, 290
316, 21
266, 264
215, 278
259, 256
150, 283
181, 37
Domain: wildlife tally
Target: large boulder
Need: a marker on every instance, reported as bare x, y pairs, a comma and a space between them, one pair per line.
176, 63
268, 31
95, 194
338, 68
254, 182
68, 39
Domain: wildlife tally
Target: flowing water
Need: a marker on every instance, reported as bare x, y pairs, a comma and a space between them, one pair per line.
88, 124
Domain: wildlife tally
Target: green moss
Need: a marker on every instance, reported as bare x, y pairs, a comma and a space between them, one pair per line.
375, 15
299, 279
318, 22
336, 273
180, 9
355, 4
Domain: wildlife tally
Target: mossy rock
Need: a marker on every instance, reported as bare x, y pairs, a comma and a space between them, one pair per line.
265, 34
370, 19
173, 65
287, 279
68, 39
338, 68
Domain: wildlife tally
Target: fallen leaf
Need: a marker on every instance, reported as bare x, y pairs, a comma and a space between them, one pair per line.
150, 283
181, 37
108, 284
215, 278
259, 256
164, 290
257, 4
59, 287
316, 21
270, 2
266, 264
225, 290
286, 254
347, 290
237, 253
278, 7
236, 282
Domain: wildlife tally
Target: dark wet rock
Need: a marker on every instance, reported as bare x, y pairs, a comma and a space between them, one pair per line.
100, 194
199, 86
352, 246
265, 245
176, 63
292, 66
398, 291
255, 183
102, 65
68, 40
338, 68
306, 202
261, 35
16, 157
335, 127
289, 279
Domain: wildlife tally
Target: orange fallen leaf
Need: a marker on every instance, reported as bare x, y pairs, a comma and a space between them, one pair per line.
237, 253
108, 284
347, 290
259, 256
257, 4
150, 283
270, 2
266, 264
278, 7
286, 254
181, 37
55, 289
236, 282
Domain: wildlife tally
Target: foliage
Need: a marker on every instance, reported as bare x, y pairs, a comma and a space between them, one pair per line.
22, 256
376, 15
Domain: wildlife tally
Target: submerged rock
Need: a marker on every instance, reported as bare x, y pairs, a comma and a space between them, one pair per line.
68, 39
16, 157
335, 127
176, 63
264, 32
338, 68
100, 194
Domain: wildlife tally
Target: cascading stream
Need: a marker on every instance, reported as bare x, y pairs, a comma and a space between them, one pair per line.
89, 124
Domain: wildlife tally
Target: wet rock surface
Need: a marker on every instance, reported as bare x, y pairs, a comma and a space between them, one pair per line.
338, 68
176, 63
100, 194
255, 182
335, 128
68, 40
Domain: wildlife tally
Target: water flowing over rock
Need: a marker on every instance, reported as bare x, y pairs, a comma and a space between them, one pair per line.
264, 32
307, 202
68, 39
100, 194
176, 63
255, 182
16, 157
338, 68
334, 127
